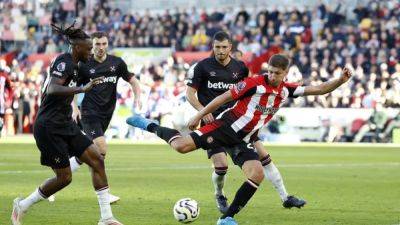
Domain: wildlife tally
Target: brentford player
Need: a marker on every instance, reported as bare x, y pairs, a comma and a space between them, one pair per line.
258, 99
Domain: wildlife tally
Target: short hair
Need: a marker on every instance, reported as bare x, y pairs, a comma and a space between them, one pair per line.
99, 34
279, 60
221, 36
71, 33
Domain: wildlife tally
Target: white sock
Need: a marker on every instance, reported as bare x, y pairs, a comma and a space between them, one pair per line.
35, 197
103, 196
274, 176
74, 164
218, 181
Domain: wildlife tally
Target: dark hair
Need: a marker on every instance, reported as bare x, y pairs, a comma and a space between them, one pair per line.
221, 36
99, 34
279, 60
71, 33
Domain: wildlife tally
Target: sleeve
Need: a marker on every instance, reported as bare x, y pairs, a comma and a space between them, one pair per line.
245, 69
194, 76
61, 68
245, 88
295, 90
123, 71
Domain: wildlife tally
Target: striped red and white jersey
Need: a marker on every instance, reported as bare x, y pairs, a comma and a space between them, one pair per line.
257, 102
4, 85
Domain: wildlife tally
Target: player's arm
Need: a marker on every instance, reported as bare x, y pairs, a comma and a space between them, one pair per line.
210, 108
76, 113
330, 85
191, 96
55, 87
136, 90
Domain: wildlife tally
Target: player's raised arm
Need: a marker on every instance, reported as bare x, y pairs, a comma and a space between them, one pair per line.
56, 87
211, 107
330, 85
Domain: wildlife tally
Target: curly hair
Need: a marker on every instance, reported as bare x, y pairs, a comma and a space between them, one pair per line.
71, 33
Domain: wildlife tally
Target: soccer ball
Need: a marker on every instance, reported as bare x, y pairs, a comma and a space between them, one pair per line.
186, 210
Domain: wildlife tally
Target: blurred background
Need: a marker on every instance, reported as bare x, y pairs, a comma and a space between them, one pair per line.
161, 39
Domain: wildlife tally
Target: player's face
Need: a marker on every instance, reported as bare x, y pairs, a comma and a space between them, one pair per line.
221, 49
100, 46
276, 75
85, 49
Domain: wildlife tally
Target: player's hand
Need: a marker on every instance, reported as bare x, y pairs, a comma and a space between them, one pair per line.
92, 83
346, 74
76, 114
193, 123
208, 118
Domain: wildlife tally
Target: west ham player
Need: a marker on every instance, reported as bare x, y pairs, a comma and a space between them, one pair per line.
5, 85
99, 103
258, 99
58, 137
210, 78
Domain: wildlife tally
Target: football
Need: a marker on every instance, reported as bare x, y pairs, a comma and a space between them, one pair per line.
186, 210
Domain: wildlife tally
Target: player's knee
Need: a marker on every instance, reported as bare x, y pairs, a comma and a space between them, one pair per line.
98, 163
181, 147
257, 173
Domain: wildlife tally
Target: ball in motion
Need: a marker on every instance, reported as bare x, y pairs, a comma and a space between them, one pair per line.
186, 210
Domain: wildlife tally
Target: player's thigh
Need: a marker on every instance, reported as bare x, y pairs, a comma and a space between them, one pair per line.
261, 150
53, 147
219, 159
79, 142
93, 128
100, 142
242, 152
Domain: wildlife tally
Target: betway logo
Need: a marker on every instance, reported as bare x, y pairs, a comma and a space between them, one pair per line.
219, 85
112, 79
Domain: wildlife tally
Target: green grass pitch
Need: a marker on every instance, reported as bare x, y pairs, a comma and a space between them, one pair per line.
342, 185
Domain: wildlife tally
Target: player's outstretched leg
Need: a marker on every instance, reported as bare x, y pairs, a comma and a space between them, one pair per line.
254, 173
171, 136
273, 175
20, 206
92, 157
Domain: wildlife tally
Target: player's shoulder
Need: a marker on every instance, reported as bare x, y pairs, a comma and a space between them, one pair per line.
63, 62
290, 84
239, 63
65, 57
113, 58
206, 61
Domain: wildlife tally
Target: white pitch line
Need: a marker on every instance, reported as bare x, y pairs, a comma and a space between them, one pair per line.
310, 165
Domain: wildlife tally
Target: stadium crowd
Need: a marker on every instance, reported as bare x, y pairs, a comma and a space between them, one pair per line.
320, 40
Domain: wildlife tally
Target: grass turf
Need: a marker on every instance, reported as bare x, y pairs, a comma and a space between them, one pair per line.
342, 185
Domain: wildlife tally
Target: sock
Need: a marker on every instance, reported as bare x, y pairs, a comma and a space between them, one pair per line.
103, 196
35, 197
243, 195
74, 163
165, 133
218, 179
274, 176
